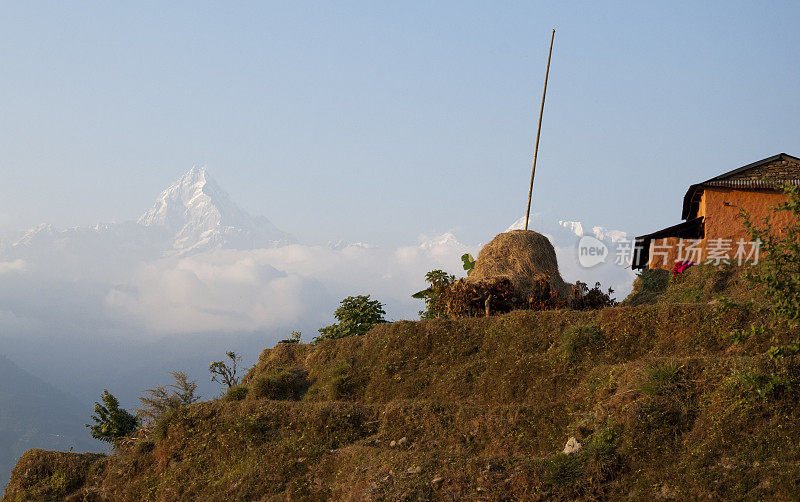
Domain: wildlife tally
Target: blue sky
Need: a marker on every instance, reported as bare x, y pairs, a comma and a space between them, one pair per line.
381, 121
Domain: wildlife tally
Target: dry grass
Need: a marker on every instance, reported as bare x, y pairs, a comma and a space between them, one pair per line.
486, 405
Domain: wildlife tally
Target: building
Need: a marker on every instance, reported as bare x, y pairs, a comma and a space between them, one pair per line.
712, 229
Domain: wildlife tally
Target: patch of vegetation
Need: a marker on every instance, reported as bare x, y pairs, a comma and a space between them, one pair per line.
435, 303
279, 384
356, 315
581, 342
225, 374
162, 398
779, 258
663, 378
236, 393
649, 284
110, 421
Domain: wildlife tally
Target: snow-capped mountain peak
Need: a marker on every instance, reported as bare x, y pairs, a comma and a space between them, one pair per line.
202, 215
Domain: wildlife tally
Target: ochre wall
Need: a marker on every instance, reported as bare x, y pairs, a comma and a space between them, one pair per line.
724, 222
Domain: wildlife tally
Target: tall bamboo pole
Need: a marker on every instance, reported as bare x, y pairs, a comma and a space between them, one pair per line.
539, 130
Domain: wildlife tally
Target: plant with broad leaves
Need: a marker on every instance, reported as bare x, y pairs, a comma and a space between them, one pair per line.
356, 316
469, 262
435, 306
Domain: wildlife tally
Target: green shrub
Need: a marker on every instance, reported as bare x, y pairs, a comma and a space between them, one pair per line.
779, 258
235, 393
648, 286
110, 421
161, 425
663, 378
435, 305
343, 383
161, 398
578, 342
356, 316
281, 385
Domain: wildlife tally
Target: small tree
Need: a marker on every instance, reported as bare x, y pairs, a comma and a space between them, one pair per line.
779, 261
163, 398
356, 316
110, 421
224, 374
435, 305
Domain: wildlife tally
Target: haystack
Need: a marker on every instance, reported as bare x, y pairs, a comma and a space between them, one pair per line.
523, 257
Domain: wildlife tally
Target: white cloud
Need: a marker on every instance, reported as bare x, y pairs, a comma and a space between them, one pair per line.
18, 265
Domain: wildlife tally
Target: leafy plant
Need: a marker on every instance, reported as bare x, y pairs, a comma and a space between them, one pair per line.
279, 384
236, 393
469, 262
356, 316
779, 260
435, 306
110, 421
580, 341
663, 378
224, 374
162, 398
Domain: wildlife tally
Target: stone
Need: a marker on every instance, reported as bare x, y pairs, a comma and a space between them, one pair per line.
414, 470
437, 481
572, 446
402, 441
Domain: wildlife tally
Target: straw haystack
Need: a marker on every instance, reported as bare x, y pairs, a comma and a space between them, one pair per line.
523, 257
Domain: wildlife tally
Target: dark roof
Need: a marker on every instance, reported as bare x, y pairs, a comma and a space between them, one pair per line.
722, 180
692, 229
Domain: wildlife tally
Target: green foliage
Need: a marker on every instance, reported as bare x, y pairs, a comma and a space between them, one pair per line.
158, 400
739, 336
343, 382
161, 425
469, 262
280, 384
295, 336
779, 260
224, 374
356, 315
438, 281
236, 393
578, 342
766, 385
110, 421
648, 285
663, 378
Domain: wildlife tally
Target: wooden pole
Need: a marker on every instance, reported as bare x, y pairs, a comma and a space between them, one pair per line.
539, 130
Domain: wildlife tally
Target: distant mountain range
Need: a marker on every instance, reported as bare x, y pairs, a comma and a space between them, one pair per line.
34, 414
192, 215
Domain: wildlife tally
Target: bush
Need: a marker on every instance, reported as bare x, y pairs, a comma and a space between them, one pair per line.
356, 315
435, 304
580, 341
343, 382
663, 378
235, 393
158, 400
779, 259
281, 384
110, 421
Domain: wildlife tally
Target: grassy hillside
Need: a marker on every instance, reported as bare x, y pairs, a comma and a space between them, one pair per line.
478, 409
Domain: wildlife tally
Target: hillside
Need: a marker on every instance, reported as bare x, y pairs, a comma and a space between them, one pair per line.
478, 409
34, 414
